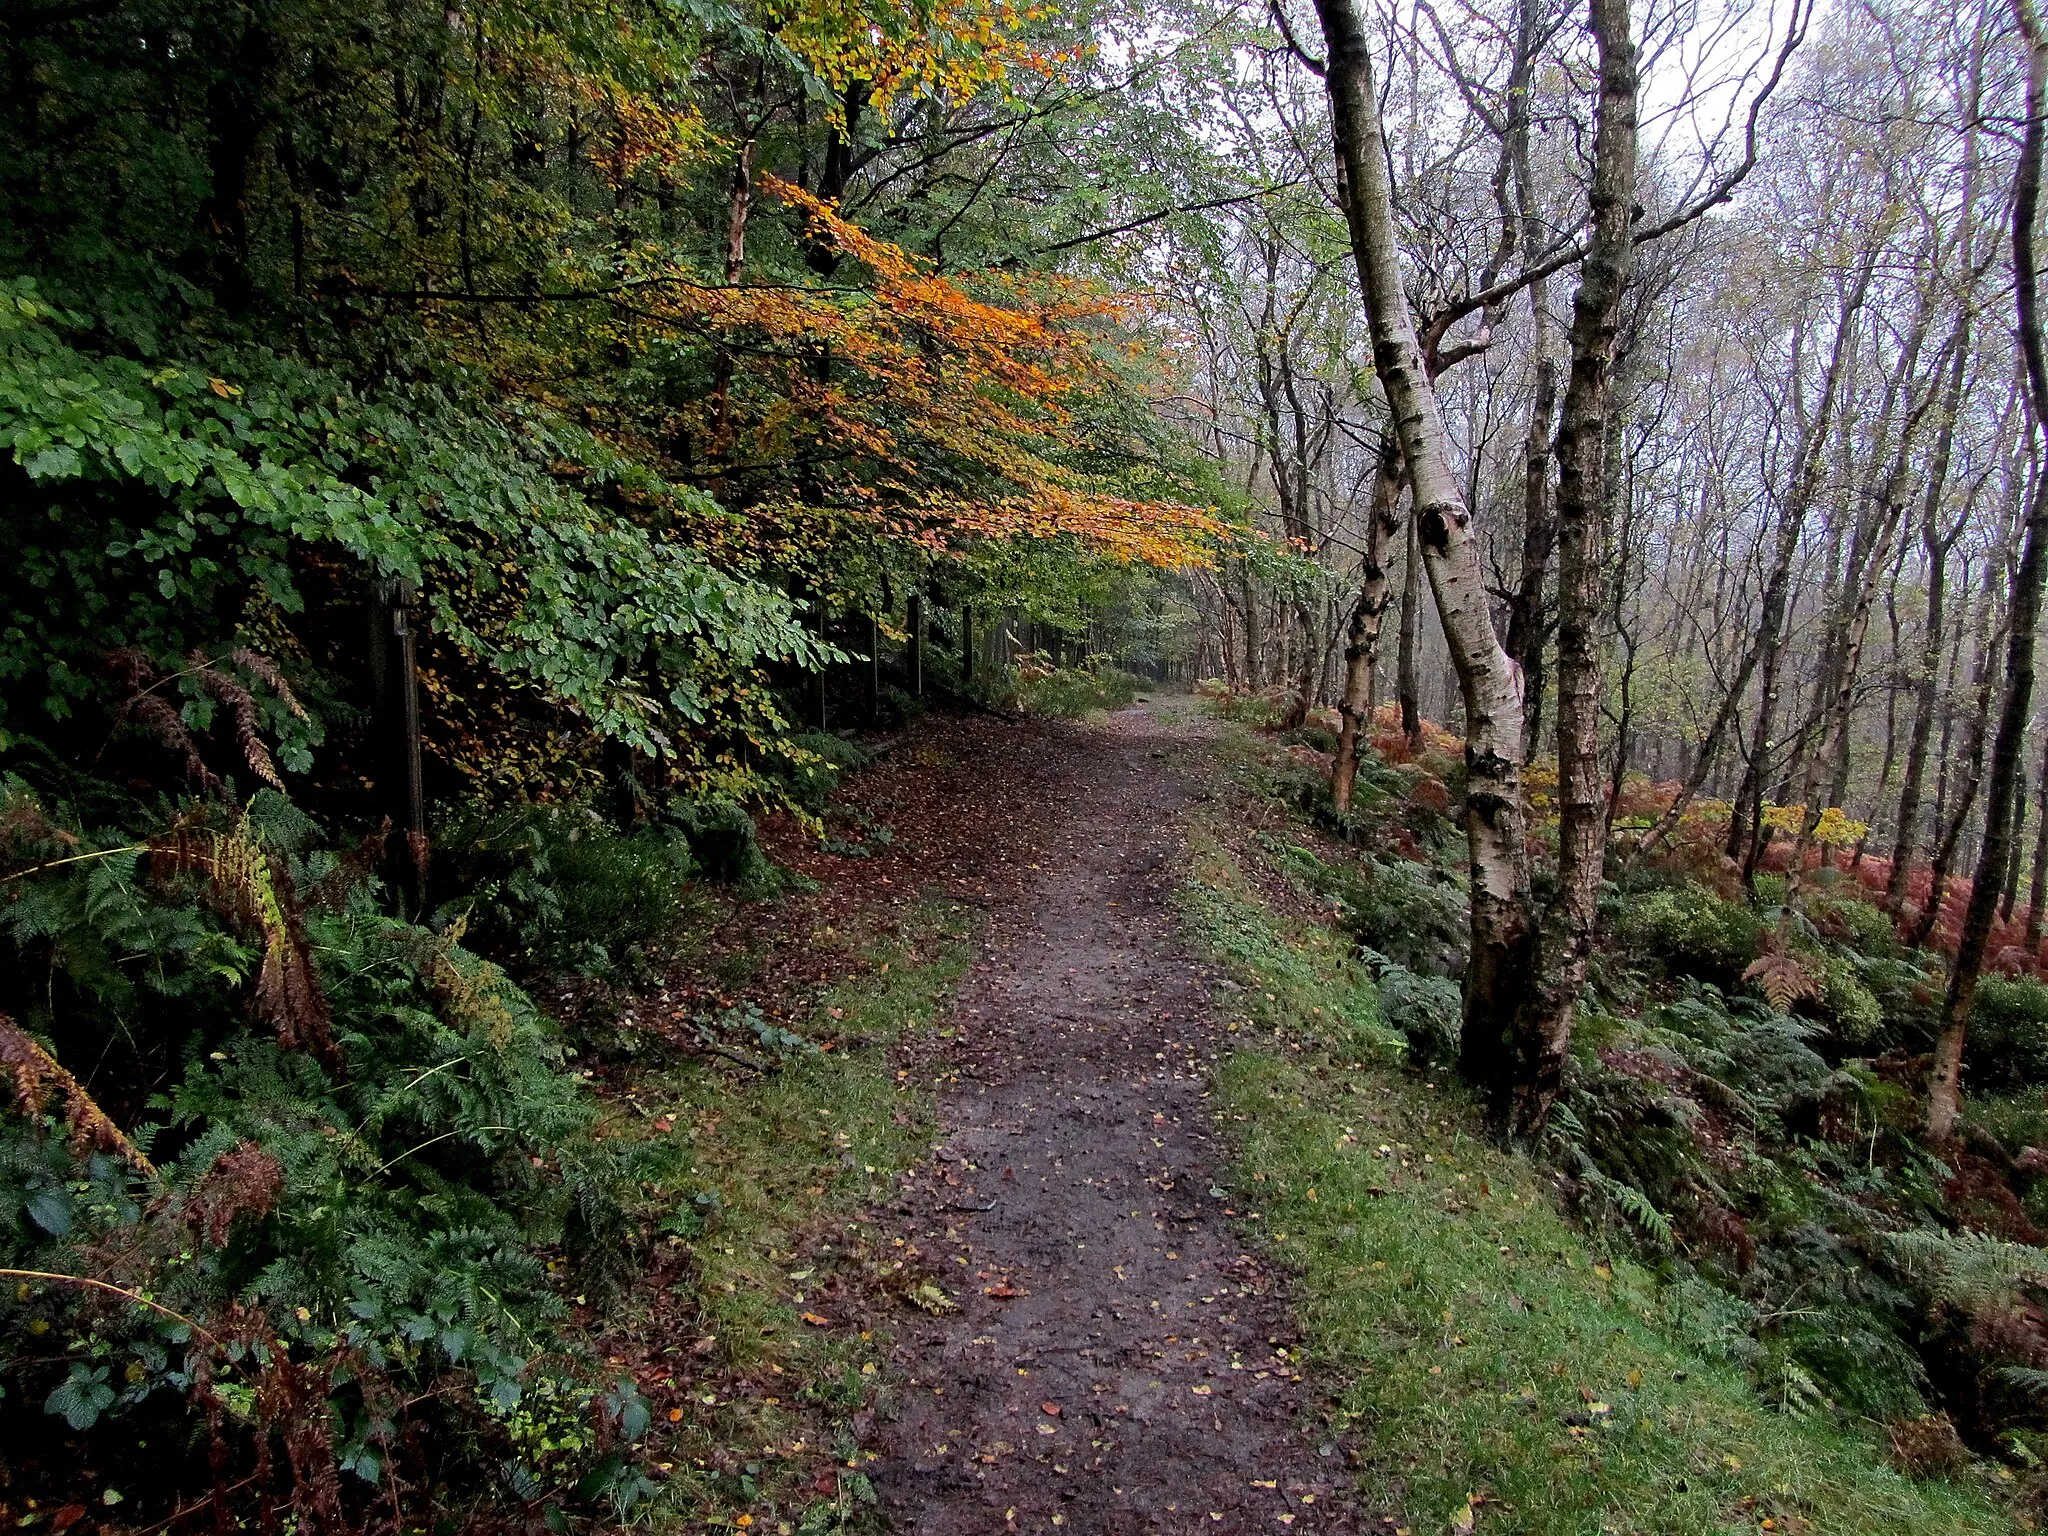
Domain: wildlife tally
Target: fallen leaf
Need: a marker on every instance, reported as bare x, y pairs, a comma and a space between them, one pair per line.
1051, 1408
817, 1320
1003, 1292
1465, 1518
69, 1515
1203, 1391
675, 1415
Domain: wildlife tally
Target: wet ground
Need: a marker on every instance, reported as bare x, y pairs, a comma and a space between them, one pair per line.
1121, 1360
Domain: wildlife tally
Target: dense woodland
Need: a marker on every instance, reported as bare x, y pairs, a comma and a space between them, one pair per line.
468, 467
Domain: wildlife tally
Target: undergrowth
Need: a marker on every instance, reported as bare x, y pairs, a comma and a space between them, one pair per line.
1502, 1363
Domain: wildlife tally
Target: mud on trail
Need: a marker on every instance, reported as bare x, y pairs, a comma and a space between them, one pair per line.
1120, 1360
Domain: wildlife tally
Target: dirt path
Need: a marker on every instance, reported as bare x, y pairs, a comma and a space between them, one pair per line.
1117, 1363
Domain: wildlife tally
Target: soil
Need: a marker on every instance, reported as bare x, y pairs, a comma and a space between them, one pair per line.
1121, 1358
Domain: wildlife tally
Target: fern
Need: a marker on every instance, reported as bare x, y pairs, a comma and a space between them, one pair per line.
1783, 980
1797, 1394
1635, 1205
1968, 1270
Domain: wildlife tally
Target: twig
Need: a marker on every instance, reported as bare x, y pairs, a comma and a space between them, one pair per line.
737, 1056
107, 1285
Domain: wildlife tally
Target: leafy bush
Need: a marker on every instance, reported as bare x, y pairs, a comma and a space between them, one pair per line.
561, 886
2009, 1034
1853, 1013
1312, 734
825, 758
1692, 931
1908, 995
1070, 692
1860, 924
1410, 912
1263, 710
1428, 1011
311, 1123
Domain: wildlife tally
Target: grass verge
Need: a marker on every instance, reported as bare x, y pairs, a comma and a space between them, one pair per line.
758, 1339
1495, 1368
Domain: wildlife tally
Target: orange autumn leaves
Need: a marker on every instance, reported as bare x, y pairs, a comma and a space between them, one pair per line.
933, 407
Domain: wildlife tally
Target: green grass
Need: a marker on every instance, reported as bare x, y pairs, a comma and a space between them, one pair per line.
1477, 1343
786, 1164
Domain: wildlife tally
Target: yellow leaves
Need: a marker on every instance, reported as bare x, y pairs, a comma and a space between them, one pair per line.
1784, 819
893, 50
1836, 829
1832, 828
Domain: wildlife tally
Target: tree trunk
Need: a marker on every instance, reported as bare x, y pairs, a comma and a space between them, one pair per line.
1928, 686
1870, 555
1496, 976
1944, 1096
1407, 671
1528, 624
1368, 612
1564, 941
1958, 817
2038, 890
2011, 893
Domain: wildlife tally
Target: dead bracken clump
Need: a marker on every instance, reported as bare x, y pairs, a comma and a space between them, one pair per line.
1927, 1446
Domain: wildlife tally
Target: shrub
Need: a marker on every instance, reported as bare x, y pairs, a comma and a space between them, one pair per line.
1263, 710
313, 1123
1692, 932
1312, 734
1427, 1010
1909, 997
1410, 914
1851, 1010
1860, 924
2008, 1034
559, 885
825, 759
1069, 692
726, 846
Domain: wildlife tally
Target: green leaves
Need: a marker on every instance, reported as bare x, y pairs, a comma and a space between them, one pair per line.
82, 1396
532, 541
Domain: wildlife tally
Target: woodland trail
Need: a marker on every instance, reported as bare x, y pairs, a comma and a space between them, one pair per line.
1116, 1363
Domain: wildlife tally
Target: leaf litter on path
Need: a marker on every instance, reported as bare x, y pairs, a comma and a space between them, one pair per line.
1126, 1318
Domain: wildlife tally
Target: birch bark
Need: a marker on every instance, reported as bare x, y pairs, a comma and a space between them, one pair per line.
1497, 974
